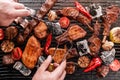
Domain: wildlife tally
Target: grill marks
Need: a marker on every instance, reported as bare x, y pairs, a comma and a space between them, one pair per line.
45, 8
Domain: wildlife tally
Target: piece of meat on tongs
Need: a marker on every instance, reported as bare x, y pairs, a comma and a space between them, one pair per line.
111, 16
95, 42
73, 13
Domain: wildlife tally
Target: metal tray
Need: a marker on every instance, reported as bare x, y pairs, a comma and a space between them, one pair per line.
7, 73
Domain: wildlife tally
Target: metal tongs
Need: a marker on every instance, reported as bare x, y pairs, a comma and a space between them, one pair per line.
67, 52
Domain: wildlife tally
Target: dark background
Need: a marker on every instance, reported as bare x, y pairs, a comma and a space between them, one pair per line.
7, 73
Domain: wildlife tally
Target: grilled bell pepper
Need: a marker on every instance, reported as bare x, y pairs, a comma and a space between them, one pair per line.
95, 62
48, 42
82, 10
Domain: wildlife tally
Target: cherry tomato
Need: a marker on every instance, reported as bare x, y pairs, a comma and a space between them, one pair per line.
17, 53
1, 34
64, 22
115, 65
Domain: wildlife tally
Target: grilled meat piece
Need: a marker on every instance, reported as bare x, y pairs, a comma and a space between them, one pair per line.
63, 38
70, 67
103, 71
106, 29
11, 32
83, 19
22, 36
59, 55
45, 8
97, 27
40, 30
70, 12
95, 44
7, 59
112, 13
73, 33
31, 53
72, 53
75, 14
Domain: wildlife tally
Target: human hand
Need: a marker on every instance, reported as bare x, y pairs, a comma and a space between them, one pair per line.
58, 74
10, 10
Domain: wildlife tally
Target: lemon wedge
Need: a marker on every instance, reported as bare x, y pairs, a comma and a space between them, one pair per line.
115, 35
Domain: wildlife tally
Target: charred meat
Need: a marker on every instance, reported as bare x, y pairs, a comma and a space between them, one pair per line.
69, 12
45, 8
31, 53
40, 30
75, 14
102, 71
70, 68
7, 59
73, 33
58, 56
11, 32
112, 13
22, 36
95, 42
95, 45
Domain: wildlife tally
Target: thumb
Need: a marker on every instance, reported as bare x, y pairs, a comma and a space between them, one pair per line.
45, 64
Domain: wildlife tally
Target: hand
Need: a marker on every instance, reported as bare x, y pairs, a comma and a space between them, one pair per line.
9, 10
58, 74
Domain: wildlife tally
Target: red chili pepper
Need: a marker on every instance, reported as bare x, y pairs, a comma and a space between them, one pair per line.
48, 42
96, 62
82, 10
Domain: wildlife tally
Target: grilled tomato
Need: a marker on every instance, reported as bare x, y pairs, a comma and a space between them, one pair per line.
64, 22
115, 65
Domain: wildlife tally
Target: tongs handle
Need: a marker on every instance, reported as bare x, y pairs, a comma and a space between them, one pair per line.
67, 52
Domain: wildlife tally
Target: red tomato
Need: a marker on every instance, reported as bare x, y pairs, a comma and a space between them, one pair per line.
64, 22
115, 65
1, 34
17, 53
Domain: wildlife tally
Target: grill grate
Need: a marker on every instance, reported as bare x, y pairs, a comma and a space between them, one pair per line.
7, 73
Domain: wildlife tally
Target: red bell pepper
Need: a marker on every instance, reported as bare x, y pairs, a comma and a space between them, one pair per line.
1, 34
95, 62
17, 53
48, 42
82, 10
